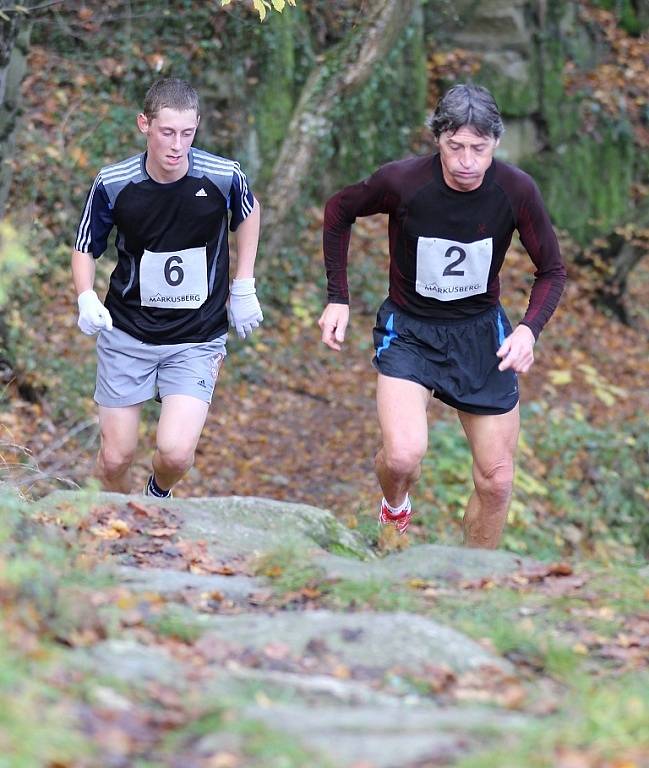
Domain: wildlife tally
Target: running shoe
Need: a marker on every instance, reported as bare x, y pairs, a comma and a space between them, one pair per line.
400, 521
149, 492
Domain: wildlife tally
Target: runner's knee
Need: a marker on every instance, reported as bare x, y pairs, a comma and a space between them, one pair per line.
177, 459
402, 460
495, 480
115, 462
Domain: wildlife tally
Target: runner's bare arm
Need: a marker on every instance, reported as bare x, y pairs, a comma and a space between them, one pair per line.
83, 271
244, 310
333, 323
247, 238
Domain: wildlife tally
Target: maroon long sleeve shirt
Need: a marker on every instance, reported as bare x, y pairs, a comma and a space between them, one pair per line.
447, 247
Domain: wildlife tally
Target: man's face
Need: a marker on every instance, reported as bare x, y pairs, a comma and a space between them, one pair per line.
465, 157
169, 136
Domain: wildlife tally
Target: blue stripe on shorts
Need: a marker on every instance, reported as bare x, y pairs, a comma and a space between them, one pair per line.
389, 337
501, 329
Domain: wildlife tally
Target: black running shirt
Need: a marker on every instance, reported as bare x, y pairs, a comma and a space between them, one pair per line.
448, 247
170, 283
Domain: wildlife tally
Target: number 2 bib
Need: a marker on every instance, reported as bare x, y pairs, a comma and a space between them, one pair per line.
174, 279
448, 270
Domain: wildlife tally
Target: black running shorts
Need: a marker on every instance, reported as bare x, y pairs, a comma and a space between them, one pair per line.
456, 360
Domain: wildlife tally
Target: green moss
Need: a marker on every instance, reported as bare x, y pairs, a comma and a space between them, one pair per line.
586, 181
374, 125
274, 96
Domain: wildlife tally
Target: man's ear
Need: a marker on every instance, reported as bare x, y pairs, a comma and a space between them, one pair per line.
142, 123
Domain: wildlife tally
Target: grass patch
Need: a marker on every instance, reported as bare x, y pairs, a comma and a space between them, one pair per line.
267, 748
623, 586
518, 626
176, 625
290, 568
37, 722
600, 722
40, 570
373, 593
260, 746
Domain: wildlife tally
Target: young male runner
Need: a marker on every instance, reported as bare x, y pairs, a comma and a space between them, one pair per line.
442, 331
163, 327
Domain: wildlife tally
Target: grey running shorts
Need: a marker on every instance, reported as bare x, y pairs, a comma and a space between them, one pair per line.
130, 371
456, 360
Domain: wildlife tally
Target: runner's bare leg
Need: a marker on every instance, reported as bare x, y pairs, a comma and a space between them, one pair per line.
179, 428
493, 441
119, 428
401, 407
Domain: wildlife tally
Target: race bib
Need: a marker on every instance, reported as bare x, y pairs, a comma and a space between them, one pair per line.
448, 270
174, 279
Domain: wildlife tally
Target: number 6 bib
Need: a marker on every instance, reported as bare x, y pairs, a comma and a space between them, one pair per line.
174, 279
448, 270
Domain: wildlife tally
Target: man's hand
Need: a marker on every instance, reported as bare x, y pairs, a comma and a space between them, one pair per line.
244, 310
333, 323
93, 315
517, 351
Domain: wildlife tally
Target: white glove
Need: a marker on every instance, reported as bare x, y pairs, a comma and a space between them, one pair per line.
93, 315
244, 312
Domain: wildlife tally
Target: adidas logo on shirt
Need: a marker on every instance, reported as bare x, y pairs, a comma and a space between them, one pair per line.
201, 193
202, 383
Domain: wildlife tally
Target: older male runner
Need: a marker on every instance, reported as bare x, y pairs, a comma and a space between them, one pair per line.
442, 331
162, 330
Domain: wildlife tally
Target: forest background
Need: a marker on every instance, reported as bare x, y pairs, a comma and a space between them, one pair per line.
312, 98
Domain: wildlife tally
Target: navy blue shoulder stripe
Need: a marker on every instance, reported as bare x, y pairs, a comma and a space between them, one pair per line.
113, 178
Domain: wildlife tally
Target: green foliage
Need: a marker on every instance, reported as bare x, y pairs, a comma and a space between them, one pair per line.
33, 344
594, 478
633, 18
24, 546
14, 259
263, 6
578, 487
375, 124
446, 476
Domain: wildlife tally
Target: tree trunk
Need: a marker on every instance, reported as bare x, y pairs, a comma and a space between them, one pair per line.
14, 37
344, 71
622, 257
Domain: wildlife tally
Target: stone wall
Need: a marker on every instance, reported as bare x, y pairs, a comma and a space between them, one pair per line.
586, 174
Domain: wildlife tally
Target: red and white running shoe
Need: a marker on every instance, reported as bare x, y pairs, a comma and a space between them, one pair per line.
400, 521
